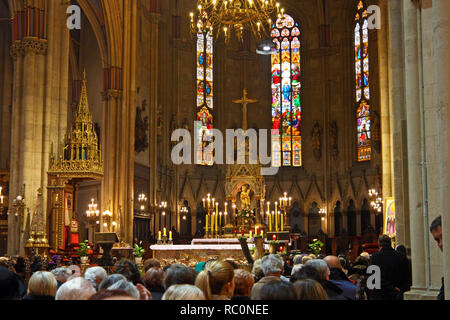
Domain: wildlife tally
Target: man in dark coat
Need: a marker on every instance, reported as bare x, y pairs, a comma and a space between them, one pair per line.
339, 278
323, 277
436, 231
394, 271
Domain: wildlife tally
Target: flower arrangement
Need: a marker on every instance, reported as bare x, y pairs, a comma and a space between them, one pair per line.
316, 246
84, 248
138, 251
245, 213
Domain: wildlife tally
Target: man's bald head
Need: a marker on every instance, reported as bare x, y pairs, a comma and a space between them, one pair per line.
333, 262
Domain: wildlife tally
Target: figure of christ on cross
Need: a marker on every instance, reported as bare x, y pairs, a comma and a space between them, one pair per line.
244, 101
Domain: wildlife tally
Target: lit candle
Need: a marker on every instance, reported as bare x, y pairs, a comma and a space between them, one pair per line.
220, 219
203, 202
165, 232
170, 235
242, 232
212, 222
269, 220
159, 235
268, 206
225, 217
217, 208
276, 207
276, 220
290, 200
251, 234
215, 223
207, 222
256, 230
274, 237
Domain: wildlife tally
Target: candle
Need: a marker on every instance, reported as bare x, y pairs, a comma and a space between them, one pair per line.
216, 222
242, 232
170, 235
281, 223
207, 222
212, 222
220, 219
225, 217
217, 208
256, 230
276, 221
251, 234
159, 235
203, 202
262, 234
269, 220
274, 237
165, 232
268, 206
290, 200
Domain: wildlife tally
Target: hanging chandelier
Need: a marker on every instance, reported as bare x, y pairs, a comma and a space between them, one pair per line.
233, 17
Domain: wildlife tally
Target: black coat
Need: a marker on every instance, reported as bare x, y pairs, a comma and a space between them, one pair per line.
394, 274
333, 291
441, 295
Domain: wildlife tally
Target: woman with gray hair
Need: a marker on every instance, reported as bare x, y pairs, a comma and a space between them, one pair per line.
95, 275
273, 266
61, 275
75, 289
126, 286
183, 292
323, 277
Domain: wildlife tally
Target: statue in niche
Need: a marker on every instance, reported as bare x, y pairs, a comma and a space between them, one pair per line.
245, 197
334, 139
376, 131
141, 124
316, 133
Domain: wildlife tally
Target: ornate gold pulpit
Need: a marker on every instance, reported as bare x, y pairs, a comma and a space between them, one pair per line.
79, 159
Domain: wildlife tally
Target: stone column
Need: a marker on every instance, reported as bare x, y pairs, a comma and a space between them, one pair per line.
441, 27
412, 99
153, 105
398, 120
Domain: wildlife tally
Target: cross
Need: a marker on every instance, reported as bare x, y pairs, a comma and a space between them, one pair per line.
244, 101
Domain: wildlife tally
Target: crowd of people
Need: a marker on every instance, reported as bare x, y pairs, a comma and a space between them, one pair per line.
273, 277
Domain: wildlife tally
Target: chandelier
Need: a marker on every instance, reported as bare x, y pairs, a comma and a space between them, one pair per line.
233, 17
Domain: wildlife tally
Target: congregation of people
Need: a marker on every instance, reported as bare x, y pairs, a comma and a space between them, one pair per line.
273, 277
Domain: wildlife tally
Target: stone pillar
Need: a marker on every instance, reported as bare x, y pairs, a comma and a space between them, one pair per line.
441, 27
398, 120
153, 105
412, 99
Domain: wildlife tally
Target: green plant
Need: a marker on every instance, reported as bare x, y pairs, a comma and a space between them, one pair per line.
316, 246
83, 249
245, 213
138, 251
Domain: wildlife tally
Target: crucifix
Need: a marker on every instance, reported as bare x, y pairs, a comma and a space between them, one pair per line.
244, 101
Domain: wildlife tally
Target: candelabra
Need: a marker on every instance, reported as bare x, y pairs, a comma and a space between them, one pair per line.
277, 220
93, 216
107, 218
142, 200
323, 214
184, 211
377, 201
211, 218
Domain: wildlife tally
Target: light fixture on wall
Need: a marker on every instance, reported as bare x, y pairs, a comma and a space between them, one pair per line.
233, 17
266, 47
376, 200
323, 213
184, 212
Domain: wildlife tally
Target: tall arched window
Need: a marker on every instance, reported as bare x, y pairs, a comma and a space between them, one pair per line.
204, 152
286, 89
364, 135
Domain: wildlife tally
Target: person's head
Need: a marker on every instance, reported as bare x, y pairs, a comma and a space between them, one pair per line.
243, 281
216, 279
61, 274
436, 231
323, 272
333, 262
305, 272
313, 256
154, 278
179, 274
112, 295
256, 269
75, 289
365, 255
95, 275
277, 290
110, 280
306, 258
151, 263
296, 268
308, 289
42, 284
129, 269
298, 259
385, 241
401, 249
126, 286
272, 265
9, 286
183, 292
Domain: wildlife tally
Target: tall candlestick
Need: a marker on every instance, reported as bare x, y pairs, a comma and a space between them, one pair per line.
269, 221
165, 232
281, 223
159, 235
220, 220
268, 206
251, 234
216, 222
212, 222
276, 221
170, 235
207, 222
262, 234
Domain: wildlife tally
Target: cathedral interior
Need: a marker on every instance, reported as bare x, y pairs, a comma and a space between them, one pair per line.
87, 116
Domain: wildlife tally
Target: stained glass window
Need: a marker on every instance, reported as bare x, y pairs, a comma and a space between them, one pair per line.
204, 153
286, 89
362, 84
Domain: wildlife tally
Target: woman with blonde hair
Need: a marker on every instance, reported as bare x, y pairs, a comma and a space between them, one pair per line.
216, 280
183, 292
42, 286
308, 289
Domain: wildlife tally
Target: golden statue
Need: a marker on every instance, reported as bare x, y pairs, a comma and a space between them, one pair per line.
245, 198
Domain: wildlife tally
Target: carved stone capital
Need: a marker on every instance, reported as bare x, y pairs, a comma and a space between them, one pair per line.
28, 45
111, 94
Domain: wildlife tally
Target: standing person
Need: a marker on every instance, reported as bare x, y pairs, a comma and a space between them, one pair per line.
394, 271
402, 249
216, 281
436, 231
